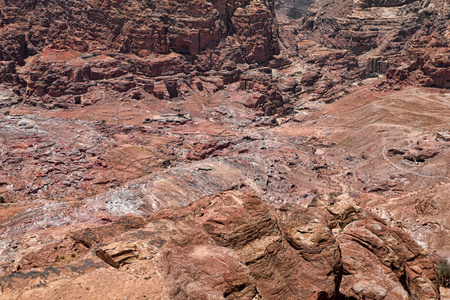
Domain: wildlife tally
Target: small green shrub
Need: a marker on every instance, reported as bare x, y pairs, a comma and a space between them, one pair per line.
73, 255
372, 75
443, 269
167, 163
2, 199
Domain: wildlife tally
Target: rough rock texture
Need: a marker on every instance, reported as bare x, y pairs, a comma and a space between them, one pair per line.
387, 157
380, 32
232, 245
371, 254
59, 57
168, 150
132, 26
390, 149
426, 62
57, 158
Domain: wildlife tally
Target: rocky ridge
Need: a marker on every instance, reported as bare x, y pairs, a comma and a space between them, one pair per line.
284, 171
138, 49
383, 33
178, 137
232, 245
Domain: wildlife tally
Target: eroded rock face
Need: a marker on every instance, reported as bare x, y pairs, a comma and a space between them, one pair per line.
232, 245
388, 253
379, 31
426, 61
182, 101
138, 27
59, 57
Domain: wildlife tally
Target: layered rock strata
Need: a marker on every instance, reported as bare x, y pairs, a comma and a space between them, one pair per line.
380, 33
231, 245
56, 57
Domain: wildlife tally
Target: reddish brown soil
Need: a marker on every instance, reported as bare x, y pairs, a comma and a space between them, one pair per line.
207, 150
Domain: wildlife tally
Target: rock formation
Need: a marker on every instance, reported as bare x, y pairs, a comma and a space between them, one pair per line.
224, 149
232, 245
426, 61
382, 33
58, 57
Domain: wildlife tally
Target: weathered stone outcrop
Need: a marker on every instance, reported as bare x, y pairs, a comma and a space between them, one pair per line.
160, 50
146, 151
426, 61
232, 245
64, 53
382, 262
133, 27
378, 32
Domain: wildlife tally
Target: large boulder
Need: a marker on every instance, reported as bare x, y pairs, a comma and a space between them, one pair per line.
232, 245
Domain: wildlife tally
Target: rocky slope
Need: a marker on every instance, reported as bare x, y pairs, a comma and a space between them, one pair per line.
290, 166
380, 33
173, 150
231, 245
426, 61
58, 57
